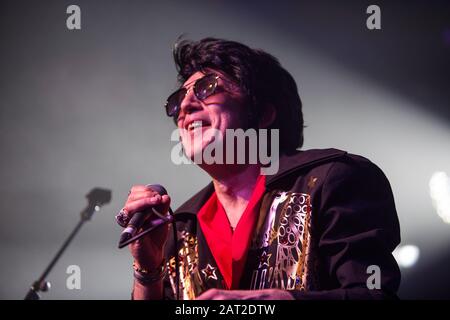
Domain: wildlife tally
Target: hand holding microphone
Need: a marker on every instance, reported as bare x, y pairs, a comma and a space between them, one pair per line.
146, 207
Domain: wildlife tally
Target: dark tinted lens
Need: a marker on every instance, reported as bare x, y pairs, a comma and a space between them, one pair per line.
205, 86
174, 102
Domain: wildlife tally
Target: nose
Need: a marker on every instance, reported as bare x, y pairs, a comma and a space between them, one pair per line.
190, 104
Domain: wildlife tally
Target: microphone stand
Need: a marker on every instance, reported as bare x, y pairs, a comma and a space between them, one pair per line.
96, 198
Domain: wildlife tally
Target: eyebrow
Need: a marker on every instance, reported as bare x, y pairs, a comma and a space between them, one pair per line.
188, 84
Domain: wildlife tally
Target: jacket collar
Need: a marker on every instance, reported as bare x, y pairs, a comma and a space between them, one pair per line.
288, 164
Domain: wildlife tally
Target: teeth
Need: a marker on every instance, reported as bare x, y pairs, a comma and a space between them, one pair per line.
195, 124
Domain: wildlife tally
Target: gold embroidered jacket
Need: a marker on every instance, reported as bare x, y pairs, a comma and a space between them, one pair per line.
326, 229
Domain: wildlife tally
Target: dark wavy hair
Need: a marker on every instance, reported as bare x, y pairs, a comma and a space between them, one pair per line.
259, 75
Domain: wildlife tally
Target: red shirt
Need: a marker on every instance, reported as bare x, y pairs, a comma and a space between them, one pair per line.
230, 249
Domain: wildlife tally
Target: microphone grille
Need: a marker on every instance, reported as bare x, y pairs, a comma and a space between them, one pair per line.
158, 188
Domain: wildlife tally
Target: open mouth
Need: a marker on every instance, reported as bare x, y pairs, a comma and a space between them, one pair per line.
197, 124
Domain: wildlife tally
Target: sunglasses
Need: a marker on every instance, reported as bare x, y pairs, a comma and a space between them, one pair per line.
203, 88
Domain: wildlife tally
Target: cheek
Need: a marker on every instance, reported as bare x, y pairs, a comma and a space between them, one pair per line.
235, 120
238, 113
229, 114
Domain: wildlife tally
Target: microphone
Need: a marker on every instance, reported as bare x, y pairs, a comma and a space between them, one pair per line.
128, 235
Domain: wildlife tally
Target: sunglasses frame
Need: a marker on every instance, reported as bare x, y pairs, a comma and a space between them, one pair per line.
193, 87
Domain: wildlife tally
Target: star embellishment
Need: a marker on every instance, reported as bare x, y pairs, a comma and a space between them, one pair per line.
312, 182
209, 272
264, 259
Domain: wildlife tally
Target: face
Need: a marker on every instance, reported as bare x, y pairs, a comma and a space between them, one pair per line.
225, 109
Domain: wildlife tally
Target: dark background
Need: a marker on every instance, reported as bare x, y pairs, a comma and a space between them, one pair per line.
83, 108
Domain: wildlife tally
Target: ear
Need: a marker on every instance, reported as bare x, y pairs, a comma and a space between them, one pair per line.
268, 116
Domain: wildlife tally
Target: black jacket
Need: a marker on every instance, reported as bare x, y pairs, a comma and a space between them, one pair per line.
326, 230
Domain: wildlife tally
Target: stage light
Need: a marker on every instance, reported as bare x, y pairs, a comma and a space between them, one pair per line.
406, 255
440, 194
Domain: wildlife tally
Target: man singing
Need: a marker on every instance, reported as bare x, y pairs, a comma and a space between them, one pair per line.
323, 226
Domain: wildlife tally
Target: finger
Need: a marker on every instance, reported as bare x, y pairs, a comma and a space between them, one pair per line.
137, 195
211, 294
138, 205
165, 200
138, 187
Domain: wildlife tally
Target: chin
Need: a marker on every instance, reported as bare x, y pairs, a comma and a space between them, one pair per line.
195, 153
191, 152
